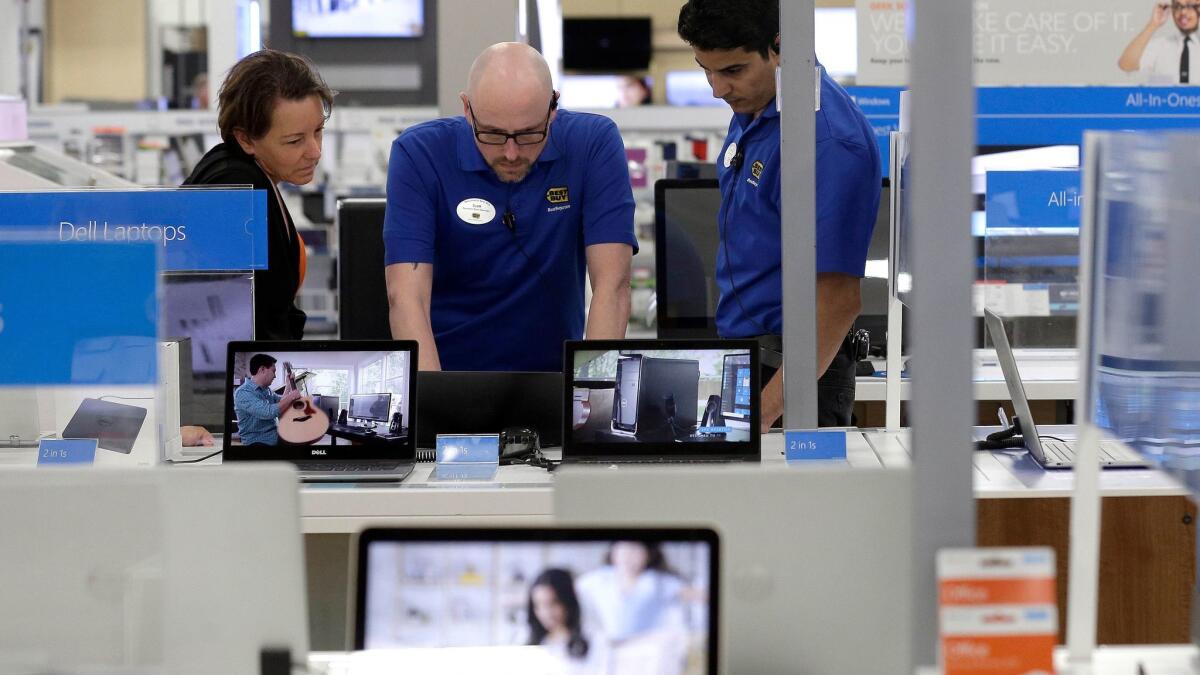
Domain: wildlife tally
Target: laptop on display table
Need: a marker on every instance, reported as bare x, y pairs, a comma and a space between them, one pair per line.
661, 401
353, 421
545, 600
815, 560
1049, 453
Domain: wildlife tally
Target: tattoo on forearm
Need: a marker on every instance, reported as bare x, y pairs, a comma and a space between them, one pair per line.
415, 266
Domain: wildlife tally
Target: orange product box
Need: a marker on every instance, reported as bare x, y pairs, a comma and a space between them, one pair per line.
996, 611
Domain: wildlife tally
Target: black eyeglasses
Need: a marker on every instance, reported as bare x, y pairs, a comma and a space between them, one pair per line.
520, 138
1181, 7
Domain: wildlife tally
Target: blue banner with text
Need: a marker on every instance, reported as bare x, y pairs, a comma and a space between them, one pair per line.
81, 314
199, 230
1033, 199
824, 445
67, 451
1025, 116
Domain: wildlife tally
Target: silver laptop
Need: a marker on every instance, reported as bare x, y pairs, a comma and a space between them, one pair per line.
165, 570
541, 600
814, 559
354, 421
1050, 453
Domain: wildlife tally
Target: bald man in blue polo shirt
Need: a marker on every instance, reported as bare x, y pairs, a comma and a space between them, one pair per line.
736, 43
494, 217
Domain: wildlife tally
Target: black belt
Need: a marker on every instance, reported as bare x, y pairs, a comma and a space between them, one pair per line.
770, 347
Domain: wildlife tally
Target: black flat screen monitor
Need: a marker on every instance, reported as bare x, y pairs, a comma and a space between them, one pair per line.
687, 239
362, 292
468, 402
370, 407
606, 44
685, 257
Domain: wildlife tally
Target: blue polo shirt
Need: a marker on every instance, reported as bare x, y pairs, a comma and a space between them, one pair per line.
848, 175
257, 410
506, 299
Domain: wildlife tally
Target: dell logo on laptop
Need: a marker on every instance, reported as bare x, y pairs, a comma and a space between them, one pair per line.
318, 451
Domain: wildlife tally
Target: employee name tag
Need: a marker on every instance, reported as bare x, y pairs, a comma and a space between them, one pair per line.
67, 451
814, 444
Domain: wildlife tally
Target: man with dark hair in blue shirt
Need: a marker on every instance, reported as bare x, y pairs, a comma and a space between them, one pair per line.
257, 407
493, 219
736, 42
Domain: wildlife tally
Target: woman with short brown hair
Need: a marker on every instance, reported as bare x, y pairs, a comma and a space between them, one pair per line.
272, 110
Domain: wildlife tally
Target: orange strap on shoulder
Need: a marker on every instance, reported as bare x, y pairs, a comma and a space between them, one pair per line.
303, 262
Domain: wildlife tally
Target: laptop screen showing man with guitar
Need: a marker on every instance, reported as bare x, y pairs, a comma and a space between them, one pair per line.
321, 402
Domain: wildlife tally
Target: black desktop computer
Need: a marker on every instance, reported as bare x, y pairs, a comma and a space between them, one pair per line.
736, 395
327, 404
362, 292
666, 392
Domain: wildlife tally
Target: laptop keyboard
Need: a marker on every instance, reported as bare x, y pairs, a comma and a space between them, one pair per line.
331, 467
1065, 452
657, 460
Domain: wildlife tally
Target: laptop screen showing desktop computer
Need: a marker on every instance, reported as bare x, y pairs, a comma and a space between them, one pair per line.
557, 593
661, 400
372, 382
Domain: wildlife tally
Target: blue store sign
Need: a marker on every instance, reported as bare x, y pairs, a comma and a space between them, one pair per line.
198, 230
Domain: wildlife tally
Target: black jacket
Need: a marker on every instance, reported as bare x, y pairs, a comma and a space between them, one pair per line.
276, 316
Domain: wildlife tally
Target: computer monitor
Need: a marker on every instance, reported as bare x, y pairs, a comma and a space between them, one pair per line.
736, 396
687, 240
685, 257
387, 19
362, 293
690, 88
603, 91
606, 44
370, 407
488, 402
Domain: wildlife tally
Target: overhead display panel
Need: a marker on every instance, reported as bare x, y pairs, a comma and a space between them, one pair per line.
1031, 42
